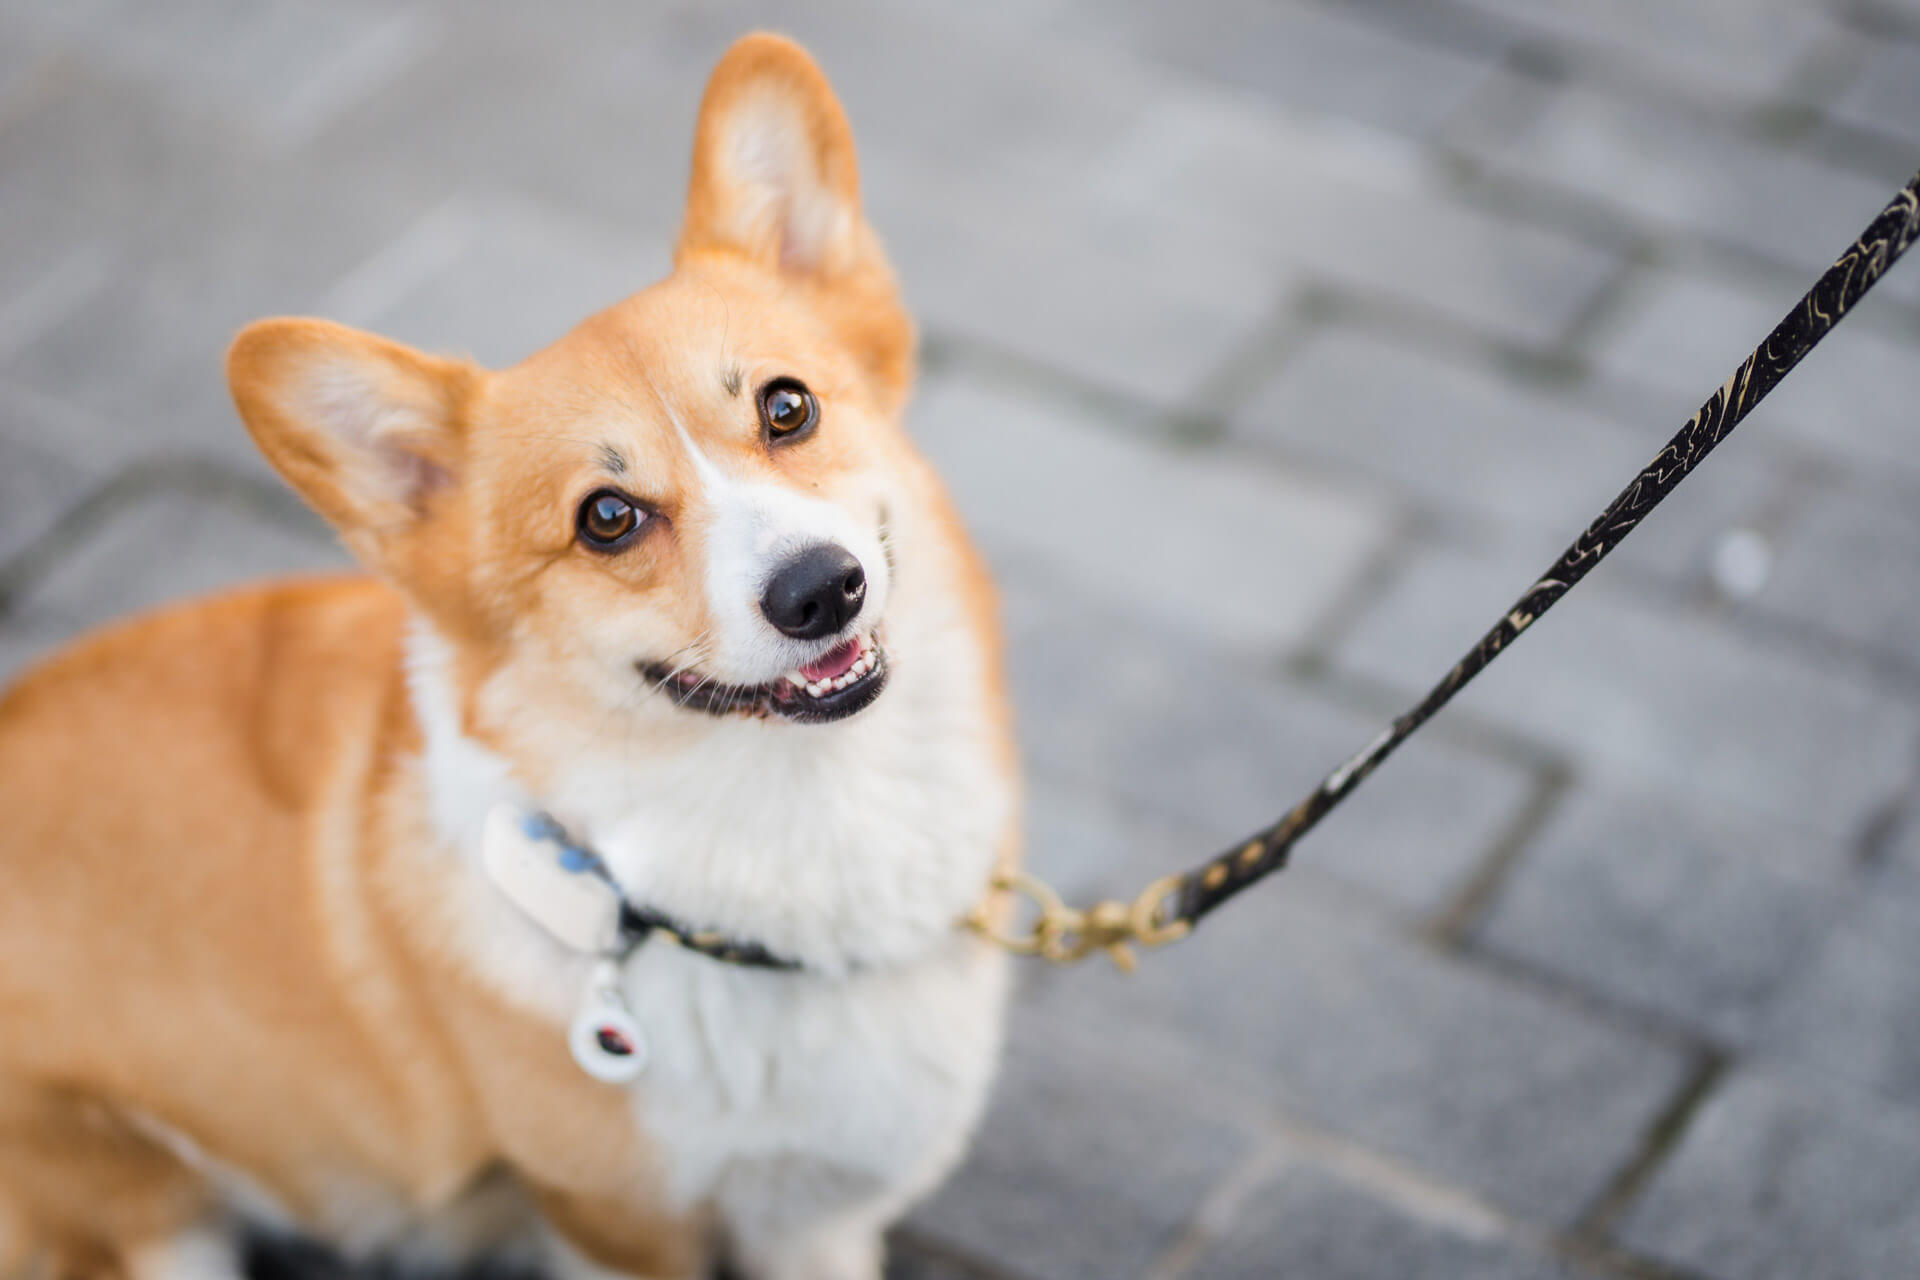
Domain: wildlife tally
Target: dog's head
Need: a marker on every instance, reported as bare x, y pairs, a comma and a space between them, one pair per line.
691, 492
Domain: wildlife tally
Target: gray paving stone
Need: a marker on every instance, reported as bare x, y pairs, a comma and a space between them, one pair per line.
1682, 334
1779, 1178
38, 479
1885, 97
1078, 839
1260, 191
39, 295
618, 85
1690, 176
1492, 455
1152, 715
589, 107
81, 153
1006, 266
1294, 996
1666, 907
1851, 399
908, 1260
25, 57
1903, 851
1646, 692
1087, 1165
280, 68
210, 232
1305, 57
1247, 558
1850, 566
22, 644
1308, 1224
80, 441
495, 278
1012, 97
1853, 1011
1723, 46
1457, 439
163, 548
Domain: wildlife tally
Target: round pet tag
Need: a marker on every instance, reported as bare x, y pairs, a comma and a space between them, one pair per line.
606, 1038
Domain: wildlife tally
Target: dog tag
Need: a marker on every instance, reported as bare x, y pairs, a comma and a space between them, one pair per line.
605, 1037
563, 887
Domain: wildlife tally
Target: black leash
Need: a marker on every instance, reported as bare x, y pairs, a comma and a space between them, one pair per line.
1170, 907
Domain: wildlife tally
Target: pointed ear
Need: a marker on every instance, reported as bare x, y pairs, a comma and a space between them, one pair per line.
774, 174
775, 181
365, 429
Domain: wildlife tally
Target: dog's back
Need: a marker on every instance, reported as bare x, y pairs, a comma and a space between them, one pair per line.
161, 919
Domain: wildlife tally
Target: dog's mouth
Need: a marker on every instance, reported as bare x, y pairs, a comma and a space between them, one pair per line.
845, 679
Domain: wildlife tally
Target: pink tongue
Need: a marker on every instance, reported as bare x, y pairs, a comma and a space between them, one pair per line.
835, 664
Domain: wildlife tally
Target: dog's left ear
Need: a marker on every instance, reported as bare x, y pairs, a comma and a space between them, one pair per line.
775, 180
774, 174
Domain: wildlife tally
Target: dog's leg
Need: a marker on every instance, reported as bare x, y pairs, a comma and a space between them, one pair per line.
589, 1238
850, 1249
203, 1252
795, 1219
17, 1251
89, 1191
564, 1262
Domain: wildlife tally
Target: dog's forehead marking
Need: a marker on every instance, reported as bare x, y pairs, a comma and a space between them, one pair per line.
703, 467
737, 505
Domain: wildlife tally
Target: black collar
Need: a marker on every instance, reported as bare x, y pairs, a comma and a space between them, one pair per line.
637, 923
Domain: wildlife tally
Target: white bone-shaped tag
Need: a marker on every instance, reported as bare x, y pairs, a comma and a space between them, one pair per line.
557, 883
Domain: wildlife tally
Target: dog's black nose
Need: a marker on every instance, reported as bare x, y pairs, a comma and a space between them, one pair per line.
817, 592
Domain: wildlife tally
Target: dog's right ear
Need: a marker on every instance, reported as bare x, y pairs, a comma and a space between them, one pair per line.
367, 430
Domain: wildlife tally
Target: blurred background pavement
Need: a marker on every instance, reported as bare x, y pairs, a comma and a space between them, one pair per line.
1329, 322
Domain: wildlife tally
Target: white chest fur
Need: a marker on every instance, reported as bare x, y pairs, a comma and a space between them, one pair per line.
875, 1079
854, 848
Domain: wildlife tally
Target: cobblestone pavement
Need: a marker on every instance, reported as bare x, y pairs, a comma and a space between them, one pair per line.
1615, 972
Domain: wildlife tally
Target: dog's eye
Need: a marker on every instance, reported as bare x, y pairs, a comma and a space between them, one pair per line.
606, 520
787, 410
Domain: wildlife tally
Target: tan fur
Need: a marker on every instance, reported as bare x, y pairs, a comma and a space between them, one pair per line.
217, 919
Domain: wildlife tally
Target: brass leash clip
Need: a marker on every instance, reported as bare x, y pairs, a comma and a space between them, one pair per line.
1066, 935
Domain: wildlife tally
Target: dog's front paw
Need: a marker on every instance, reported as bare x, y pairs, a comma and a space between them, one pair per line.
836, 1255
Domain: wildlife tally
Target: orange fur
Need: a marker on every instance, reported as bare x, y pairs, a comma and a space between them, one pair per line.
220, 913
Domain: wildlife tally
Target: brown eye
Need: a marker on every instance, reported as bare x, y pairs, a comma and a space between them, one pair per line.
607, 519
787, 410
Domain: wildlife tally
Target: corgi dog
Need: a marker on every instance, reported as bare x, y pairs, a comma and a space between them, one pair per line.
677, 597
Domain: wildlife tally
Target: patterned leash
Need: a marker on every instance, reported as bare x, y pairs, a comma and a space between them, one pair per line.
1168, 908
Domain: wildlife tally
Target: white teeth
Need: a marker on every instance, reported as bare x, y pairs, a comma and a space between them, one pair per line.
862, 667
